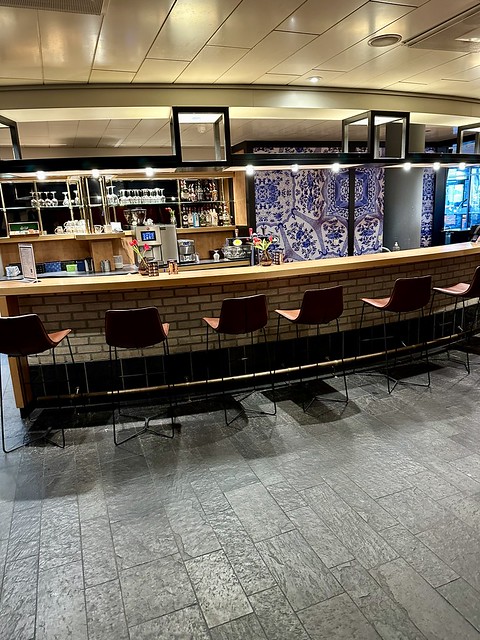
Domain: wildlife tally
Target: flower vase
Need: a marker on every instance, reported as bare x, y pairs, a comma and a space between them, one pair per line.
265, 259
142, 269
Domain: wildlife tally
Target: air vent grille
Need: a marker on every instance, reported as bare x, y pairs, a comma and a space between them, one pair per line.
91, 7
460, 33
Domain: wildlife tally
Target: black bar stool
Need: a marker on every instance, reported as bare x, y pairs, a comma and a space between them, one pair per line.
318, 307
408, 294
135, 329
22, 336
463, 291
242, 316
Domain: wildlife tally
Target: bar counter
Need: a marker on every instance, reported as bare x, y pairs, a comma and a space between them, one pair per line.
183, 299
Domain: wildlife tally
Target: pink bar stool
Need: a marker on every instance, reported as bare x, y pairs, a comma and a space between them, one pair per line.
22, 336
318, 307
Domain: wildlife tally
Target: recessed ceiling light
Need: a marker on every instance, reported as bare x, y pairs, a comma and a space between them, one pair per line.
95, 173
387, 40
335, 167
407, 166
462, 166
314, 79
41, 175
149, 172
249, 169
436, 166
294, 168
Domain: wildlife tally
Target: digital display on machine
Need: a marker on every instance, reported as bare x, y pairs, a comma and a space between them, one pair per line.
148, 236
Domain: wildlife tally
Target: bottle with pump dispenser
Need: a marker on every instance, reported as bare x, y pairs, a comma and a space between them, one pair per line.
396, 246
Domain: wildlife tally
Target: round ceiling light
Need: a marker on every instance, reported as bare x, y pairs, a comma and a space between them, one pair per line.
386, 40
314, 79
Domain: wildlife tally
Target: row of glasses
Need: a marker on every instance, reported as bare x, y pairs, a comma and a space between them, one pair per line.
40, 200
68, 202
140, 196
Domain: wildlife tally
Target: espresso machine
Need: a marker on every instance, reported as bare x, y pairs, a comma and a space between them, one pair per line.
162, 240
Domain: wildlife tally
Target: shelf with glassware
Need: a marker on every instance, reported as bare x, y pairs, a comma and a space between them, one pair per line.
190, 203
36, 208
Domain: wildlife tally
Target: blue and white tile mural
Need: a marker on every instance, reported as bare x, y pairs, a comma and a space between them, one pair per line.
308, 211
428, 197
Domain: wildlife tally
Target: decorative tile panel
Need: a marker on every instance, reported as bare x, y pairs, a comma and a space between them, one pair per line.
428, 197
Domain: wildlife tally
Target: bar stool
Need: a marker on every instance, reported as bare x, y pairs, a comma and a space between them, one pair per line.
462, 291
408, 294
318, 307
240, 316
135, 329
22, 336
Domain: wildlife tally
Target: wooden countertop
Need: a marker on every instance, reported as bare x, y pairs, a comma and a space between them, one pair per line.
236, 274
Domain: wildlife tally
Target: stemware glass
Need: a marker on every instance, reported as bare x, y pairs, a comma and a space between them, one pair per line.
53, 200
41, 201
34, 200
161, 197
76, 200
66, 201
47, 202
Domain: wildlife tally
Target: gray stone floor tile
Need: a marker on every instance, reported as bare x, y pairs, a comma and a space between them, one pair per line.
459, 546
240, 629
193, 534
286, 496
246, 561
419, 556
24, 539
258, 512
99, 563
276, 616
353, 532
337, 619
464, 598
105, 614
433, 485
451, 474
61, 609
60, 536
325, 544
426, 608
362, 503
415, 510
186, 624
389, 619
299, 572
153, 589
19, 599
467, 509
141, 539
218, 589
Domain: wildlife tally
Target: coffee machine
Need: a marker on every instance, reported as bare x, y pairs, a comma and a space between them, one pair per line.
162, 240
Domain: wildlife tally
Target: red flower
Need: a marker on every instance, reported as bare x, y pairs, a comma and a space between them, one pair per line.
146, 247
134, 242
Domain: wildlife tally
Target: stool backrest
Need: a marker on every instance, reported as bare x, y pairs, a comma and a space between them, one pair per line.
23, 336
473, 290
320, 306
133, 328
410, 294
243, 315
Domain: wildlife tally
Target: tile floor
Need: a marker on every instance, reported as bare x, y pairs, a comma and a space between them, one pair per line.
348, 522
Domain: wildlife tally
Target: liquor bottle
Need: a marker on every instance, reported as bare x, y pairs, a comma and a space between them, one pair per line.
185, 224
207, 195
213, 191
190, 217
195, 218
199, 191
214, 217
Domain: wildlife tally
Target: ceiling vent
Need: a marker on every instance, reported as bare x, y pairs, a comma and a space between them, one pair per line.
461, 33
91, 7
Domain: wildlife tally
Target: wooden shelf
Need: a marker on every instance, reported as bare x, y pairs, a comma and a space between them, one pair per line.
181, 231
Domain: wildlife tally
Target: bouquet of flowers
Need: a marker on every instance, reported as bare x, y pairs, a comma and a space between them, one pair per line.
263, 244
142, 263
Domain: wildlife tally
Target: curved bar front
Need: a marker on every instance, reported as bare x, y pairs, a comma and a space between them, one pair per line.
80, 303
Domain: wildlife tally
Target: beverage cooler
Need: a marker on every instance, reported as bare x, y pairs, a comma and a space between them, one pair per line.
462, 203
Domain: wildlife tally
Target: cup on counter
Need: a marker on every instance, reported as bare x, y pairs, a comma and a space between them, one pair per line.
98, 228
107, 228
59, 230
118, 262
12, 272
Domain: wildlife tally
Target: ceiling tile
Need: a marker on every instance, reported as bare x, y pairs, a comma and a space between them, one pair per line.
68, 45
20, 44
279, 44
243, 27
275, 78
210, 64
189, 26
100, 76
358, 26
127, 35
309, 19
160, 71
